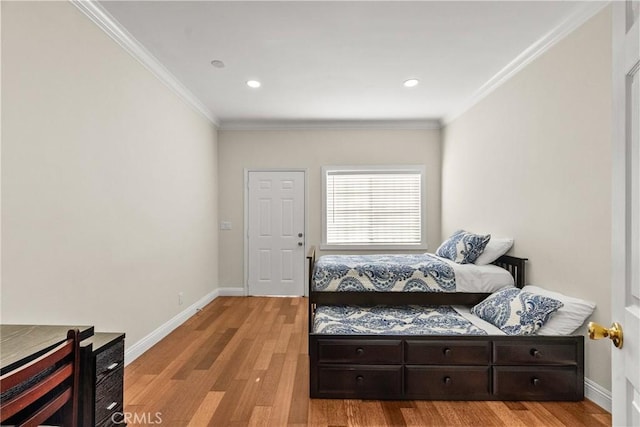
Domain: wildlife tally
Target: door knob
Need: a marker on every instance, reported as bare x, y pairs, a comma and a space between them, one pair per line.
300, 243
597, 332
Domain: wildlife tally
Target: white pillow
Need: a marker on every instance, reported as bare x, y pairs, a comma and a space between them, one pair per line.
569, 317
496, 247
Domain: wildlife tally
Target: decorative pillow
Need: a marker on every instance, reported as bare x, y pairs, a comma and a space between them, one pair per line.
569, 317
463, 247
496, 247
516, 312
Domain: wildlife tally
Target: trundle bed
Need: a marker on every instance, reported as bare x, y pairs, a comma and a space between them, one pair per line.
362, 346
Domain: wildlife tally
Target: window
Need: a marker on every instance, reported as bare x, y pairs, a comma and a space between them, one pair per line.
373, 207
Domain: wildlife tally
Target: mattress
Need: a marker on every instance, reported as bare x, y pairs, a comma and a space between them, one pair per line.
399, 320
405, 273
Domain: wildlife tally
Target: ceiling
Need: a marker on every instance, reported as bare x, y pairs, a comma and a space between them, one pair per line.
342, 61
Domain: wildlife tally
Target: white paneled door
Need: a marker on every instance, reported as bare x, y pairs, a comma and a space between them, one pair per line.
275, 234
625, 287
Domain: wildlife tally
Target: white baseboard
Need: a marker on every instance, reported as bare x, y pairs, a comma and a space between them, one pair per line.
597, 394
154, 337
232, 291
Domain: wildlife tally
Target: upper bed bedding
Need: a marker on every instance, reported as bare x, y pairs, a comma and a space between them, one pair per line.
405, 273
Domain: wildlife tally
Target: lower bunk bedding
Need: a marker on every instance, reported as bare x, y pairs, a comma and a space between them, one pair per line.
399, 320
436, 353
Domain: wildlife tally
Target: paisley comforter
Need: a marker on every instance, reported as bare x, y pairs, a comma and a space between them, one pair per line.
383, 273
392, 320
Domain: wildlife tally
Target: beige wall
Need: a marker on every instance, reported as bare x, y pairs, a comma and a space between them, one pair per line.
311, 150
533, 161
109, 181
109, 204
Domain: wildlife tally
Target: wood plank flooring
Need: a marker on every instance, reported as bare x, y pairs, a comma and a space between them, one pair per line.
243, 361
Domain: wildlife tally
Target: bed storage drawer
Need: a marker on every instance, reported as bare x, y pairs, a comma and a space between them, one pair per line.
534, 353
363, 381
447, 352
536, 383
360, 351
448, 367
447, 382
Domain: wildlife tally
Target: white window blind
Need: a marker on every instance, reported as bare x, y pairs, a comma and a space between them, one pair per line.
374, 207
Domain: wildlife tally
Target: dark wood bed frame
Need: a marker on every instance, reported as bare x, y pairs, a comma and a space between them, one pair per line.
450, 367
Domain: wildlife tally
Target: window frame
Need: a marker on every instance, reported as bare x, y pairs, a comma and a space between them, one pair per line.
420, 169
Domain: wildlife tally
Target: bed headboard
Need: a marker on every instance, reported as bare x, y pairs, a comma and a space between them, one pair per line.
515, 266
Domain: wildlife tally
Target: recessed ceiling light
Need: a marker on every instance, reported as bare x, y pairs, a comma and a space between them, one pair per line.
254, 84
217, 63
411, 83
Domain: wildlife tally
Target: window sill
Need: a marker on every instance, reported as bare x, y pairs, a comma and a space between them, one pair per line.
421, 247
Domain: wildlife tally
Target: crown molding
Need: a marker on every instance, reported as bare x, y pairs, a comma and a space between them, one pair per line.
96, 13
262, 125
116, 31
589, 10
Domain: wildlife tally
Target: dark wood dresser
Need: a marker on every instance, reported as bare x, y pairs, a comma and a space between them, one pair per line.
102, 382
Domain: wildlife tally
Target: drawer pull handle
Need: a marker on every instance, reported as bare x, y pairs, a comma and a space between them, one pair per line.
359, 351
535, 353
112, 366
359, 379
535, 382
446, 352
446, 380
113, 405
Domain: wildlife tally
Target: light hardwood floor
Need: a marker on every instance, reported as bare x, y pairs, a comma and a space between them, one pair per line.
244, 361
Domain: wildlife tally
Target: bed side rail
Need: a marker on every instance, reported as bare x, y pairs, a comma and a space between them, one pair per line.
515, 266
396, 298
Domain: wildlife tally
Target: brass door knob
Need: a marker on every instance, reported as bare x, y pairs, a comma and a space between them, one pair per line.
597, 332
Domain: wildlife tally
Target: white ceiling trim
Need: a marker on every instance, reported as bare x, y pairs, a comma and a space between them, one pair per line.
116, 31
329, 124
529, 55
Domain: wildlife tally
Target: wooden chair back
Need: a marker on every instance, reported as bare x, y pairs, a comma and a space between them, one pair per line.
46, 386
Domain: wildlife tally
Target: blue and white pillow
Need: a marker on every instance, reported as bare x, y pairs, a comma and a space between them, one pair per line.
463, 247
516, 312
